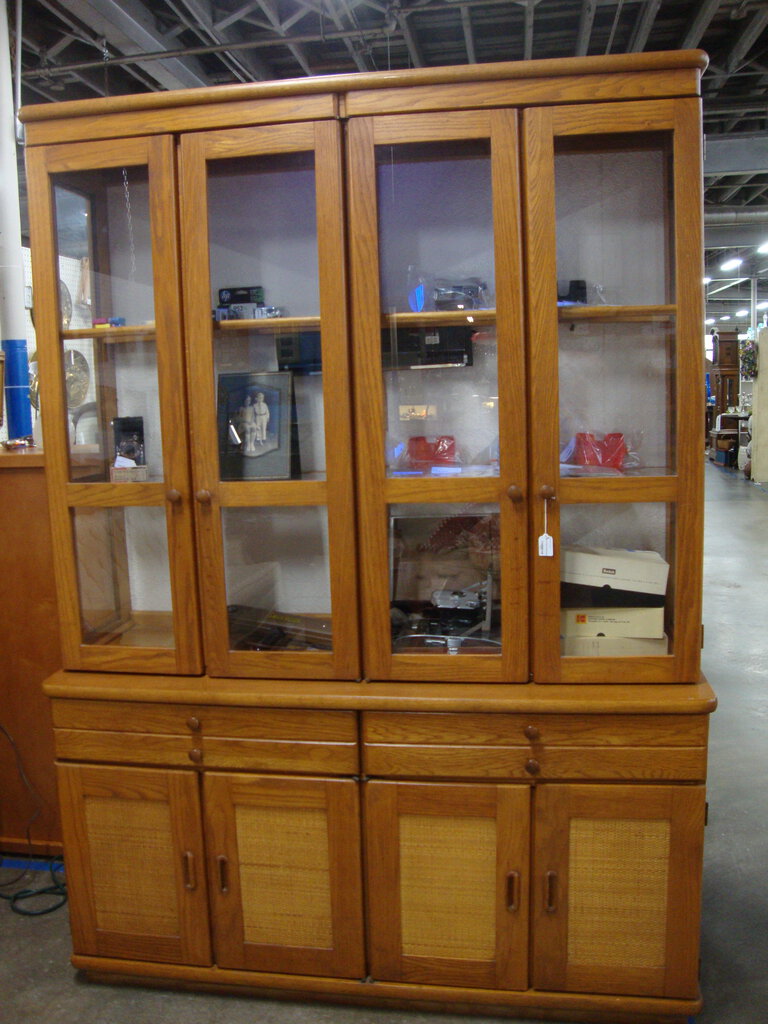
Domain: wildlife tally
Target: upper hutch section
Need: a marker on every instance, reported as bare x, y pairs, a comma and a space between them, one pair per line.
508, 83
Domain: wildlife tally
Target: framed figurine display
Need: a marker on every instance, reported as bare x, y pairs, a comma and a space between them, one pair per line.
256, 426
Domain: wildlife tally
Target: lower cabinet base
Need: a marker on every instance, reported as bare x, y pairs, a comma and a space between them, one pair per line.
555, 1006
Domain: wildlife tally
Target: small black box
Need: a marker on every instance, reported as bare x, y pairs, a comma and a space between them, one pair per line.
253, 293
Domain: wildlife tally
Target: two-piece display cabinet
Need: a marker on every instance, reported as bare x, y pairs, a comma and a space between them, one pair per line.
372, 433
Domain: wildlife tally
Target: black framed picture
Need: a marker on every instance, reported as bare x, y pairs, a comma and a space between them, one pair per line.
256, 426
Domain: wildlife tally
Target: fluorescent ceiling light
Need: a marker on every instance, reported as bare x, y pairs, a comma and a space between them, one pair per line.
763, 248
741, 312
725, 318
709, 320
762, 305
731, 264
706, 280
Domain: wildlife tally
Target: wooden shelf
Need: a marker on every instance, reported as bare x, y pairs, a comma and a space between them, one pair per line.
441, 318
107, 333
618, 314
271, 324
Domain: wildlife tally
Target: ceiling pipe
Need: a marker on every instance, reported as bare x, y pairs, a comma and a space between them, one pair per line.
736, 215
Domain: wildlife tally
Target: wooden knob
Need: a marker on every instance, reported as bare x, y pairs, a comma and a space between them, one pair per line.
547, 492
532, 766
204, 497
196, 755
193, 723
531, 732
174, 497
515, 493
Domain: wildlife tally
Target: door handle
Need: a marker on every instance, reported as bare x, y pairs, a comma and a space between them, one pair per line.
513, 892
188, 865
222, 867
550, 892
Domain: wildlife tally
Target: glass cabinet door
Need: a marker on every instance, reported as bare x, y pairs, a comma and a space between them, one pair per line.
107, 317
441, 415
617, 369
266, 301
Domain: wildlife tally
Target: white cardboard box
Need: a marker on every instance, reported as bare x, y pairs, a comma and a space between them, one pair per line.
622, 622
613, 646
642, 571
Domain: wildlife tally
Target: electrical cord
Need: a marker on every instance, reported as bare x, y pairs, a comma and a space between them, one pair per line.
57, 887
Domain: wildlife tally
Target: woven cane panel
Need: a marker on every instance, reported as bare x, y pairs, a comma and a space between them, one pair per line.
617, 892
134, 884
285, 876
448, 886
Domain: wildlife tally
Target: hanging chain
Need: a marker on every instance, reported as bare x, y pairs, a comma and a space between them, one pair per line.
129, 219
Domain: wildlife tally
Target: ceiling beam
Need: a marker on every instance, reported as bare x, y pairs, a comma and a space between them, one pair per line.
469, 38
128, 27
736, 154
244, 65
586, 18
746, 40
642, 30
695, 32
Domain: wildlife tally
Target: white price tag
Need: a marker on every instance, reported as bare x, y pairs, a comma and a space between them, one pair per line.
546, 544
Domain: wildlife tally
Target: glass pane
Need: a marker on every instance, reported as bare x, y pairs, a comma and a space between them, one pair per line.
263, 236
617, 398
104, 246
123, 576
270, 403
436, 267
616, 598
114, 409
614, 222
277, 577
442, 396
444, 579
435, 226
103, 237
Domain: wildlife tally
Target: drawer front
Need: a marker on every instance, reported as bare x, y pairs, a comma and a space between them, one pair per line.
476, 762
550, 729
646, 748
252, 739
122, 747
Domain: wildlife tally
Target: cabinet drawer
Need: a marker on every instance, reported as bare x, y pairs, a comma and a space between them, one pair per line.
205, 736
663, 747
477, 762
524, 729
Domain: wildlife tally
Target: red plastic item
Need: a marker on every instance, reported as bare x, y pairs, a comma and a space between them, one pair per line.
432, 451
611, 451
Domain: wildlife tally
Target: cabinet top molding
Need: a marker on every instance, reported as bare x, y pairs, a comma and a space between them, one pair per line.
674, 60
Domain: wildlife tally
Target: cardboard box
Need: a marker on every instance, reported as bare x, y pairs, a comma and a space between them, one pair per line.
613, 646
619, 568
623, 622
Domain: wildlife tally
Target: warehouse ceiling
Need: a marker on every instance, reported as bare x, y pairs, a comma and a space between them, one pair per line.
77, 49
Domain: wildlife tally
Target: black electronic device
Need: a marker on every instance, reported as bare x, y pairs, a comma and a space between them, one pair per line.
427, 346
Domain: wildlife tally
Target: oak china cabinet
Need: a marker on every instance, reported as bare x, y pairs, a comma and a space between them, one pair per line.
372, 442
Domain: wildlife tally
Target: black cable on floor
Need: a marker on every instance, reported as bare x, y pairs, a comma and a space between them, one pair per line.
57, 887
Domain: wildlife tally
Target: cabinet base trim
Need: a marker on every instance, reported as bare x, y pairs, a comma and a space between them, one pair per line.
394, 995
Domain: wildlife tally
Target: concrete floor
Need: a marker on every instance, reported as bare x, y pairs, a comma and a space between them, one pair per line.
38, 985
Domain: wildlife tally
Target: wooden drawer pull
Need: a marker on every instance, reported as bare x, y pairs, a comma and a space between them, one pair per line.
188, 863
532, 766
531, 732
196, 755
550, 892
193, 723
222, 866
513, 891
